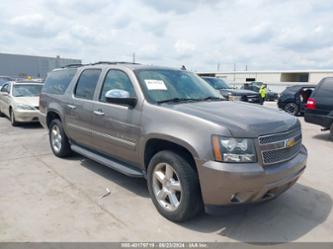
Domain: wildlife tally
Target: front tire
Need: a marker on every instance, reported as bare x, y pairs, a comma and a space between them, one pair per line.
58, 139
174, 187
12, 118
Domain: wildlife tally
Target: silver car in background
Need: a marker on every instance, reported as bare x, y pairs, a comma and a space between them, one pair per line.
19, 101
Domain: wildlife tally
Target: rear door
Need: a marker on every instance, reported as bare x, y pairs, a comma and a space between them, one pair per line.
324, 97
79, 119
116, 128
303, 96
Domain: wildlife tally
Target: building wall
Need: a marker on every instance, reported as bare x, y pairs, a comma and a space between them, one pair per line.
273, 77
241, 77
315, 77
277, 80
36, 66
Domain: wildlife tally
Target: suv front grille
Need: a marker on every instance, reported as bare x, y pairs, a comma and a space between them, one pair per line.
278, 136
280, 147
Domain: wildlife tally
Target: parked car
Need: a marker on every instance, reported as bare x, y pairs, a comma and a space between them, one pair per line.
319, 107
232, 94
194, 148
255, 86
20, 101
293, 99
4, 79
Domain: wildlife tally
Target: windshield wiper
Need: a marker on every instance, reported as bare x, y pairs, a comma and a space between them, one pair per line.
177, 100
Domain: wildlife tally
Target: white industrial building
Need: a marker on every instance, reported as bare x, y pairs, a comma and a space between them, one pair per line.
275, 79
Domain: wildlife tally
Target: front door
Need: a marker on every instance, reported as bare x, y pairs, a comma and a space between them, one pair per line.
116, 127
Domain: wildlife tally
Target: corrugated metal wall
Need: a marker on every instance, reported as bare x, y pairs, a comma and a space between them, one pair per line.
25, 65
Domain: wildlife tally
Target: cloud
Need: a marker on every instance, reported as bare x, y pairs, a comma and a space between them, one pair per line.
263, 34
184, 47
179, 7
316, 38
33, 25
259, 34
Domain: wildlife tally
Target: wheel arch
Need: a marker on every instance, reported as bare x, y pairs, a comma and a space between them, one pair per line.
158, 143
51, 115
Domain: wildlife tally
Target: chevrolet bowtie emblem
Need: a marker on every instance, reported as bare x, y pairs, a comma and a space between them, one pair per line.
290, 142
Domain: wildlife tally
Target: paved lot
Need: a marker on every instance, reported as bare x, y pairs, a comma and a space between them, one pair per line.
44, 198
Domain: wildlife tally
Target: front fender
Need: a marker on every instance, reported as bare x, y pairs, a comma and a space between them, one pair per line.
168, 138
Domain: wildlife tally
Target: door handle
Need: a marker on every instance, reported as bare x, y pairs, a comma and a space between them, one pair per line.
99, 113
71, 107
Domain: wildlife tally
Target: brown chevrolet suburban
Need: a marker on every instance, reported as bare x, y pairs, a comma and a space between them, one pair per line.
171, 127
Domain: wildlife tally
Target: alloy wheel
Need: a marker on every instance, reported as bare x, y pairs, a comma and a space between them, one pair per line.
167, 186
291, 108
56, 138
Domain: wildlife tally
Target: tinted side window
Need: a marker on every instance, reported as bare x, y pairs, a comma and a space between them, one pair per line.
325, 88
86, 84
57, 81
116, 79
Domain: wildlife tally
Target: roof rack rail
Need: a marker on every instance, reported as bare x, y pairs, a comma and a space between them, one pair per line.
72, 65
114, 62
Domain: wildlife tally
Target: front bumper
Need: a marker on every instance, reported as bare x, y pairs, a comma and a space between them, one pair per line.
244, 98
42, 119
233, 184
253, 100
26, 116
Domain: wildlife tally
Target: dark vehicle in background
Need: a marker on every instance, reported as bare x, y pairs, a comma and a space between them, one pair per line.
293, 99
4, 79
319, 107
255, 86
232, 94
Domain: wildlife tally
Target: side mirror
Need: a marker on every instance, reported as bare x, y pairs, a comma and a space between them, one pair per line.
4, 93
121, 97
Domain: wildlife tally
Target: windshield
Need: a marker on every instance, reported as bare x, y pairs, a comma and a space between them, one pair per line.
164, 85
27, 90
217, 83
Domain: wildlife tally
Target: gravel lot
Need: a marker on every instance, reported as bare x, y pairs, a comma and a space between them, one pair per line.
44, 198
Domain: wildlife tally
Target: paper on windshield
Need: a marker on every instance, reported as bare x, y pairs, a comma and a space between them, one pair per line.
156, 85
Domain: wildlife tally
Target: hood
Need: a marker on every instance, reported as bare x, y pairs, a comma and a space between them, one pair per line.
242, 119
32, 101
239, 92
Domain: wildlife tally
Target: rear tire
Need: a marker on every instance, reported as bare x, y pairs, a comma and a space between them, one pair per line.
176, 194
331, 132
291, 108
58, 140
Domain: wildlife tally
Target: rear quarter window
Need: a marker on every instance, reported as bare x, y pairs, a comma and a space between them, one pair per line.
57, 81
325, 88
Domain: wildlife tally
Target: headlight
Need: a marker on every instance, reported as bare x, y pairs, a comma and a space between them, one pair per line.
237, 150
25, 107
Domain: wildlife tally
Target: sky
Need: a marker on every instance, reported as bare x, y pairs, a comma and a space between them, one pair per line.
203, 35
